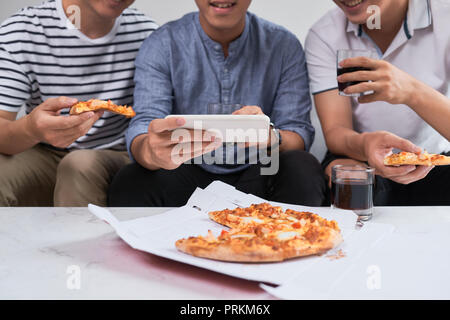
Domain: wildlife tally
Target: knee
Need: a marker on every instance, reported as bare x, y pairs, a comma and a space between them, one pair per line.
77, 163
301, 164
127, 187
302, 178
8, 197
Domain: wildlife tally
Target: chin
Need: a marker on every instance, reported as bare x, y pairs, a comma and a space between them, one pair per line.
112, 8
222, 24
358, 12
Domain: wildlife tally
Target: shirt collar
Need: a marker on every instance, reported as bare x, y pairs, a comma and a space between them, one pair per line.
234, 47
418, 17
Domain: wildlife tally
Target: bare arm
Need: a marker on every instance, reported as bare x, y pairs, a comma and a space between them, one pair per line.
395, 86
14, 134
431, 106
43, 124
336, 118
335, 114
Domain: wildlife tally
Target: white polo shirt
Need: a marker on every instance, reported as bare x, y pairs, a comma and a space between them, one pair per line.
421, 48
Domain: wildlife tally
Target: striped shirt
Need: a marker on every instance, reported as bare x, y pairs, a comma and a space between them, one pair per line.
43, 55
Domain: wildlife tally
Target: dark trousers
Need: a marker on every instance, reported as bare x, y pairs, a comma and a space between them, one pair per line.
300, 180
434, 190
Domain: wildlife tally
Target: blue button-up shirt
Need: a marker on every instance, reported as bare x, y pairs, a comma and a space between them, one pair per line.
180, 70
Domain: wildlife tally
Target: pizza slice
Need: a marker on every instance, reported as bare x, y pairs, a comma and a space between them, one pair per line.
256, 213
421, 159
262, 243
266, 213
96, 105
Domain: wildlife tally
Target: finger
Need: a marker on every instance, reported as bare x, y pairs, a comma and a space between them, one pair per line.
362, 87
87, 125
420, 173
190, 135
363, 62
78, 131
56, 104
370, 98
393, 172
185, 152
393, 141
248, 110
67, 122
161, 125
359, 76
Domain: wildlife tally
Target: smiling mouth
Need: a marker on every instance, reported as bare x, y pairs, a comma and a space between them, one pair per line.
222, 5
351, 3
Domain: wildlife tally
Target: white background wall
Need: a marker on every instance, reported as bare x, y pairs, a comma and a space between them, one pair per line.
295, 15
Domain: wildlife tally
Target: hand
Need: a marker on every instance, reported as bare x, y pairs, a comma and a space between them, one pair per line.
378, 145
45, 124
389, 83
254, 110
345, 162
168, 146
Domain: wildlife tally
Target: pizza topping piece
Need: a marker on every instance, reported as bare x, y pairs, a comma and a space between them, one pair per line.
287, 235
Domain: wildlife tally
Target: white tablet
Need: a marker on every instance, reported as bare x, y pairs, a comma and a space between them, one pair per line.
230, 128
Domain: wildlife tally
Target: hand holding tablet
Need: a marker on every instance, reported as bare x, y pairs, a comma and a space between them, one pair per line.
231, 123
230, 128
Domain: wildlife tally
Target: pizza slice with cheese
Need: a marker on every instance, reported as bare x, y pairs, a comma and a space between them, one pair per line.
416, 159
96, 105
266, 213
262, 243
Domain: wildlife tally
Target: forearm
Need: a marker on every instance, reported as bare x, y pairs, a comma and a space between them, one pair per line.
141, 152
347, 142
291, 141
15, 137
432, 106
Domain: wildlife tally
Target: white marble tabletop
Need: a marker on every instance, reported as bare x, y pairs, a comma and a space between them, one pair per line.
66, 253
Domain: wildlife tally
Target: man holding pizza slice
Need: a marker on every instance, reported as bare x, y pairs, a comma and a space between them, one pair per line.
220, 55
51, 56
409, 108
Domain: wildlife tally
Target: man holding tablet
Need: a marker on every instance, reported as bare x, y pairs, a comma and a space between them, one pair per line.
409, 109
223, 55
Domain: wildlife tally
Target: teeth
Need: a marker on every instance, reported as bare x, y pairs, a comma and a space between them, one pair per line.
222, 5
352, 3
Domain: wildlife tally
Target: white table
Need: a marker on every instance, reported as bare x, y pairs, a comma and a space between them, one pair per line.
45, 251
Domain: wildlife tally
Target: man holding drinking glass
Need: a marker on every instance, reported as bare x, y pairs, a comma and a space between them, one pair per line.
408, 105
219, 55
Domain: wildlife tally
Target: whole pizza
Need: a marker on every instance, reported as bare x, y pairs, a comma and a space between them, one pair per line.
264, 233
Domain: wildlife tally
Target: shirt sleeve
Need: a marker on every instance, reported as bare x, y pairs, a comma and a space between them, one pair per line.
15, 86
322, 65
292, 107
153, 94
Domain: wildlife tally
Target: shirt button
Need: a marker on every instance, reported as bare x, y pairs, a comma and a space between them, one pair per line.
217, 47
226, 70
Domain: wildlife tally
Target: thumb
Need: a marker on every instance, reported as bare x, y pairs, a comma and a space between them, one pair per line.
56, 104
402, 144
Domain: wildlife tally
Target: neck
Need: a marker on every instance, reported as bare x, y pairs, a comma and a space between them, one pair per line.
223, 36
391, 22
91, 23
